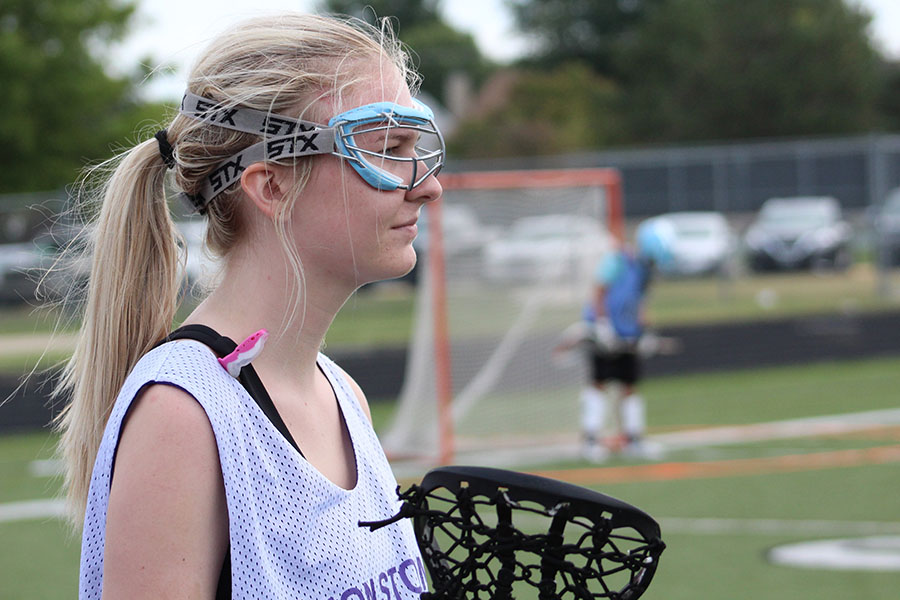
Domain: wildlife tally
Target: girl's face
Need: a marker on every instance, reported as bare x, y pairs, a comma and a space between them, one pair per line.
345, 229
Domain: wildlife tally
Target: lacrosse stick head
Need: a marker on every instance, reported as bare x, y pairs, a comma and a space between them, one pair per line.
493, 534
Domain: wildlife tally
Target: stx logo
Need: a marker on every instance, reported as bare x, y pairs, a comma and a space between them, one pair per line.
226, 174
277, 126
207, 111
287, 146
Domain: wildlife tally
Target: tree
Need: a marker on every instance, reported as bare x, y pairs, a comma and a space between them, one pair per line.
408, 13
714, 69
889, 100
438, 49
542, 113
59, 107
578, 30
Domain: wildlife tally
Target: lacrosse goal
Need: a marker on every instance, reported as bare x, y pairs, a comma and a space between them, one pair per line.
509, 263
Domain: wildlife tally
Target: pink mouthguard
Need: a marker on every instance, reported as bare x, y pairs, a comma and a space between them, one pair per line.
244, 353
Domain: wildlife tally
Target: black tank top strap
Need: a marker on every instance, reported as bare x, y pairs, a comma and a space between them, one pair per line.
222, 346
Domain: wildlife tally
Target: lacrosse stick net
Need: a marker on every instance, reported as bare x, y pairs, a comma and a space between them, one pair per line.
491, 534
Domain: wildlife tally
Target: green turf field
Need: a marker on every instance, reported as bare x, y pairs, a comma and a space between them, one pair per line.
383, 315
718, 525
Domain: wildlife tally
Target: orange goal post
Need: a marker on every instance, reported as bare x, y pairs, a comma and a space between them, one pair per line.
508, 262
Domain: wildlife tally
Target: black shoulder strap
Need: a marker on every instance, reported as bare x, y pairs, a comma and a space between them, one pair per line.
223, 346
219, 344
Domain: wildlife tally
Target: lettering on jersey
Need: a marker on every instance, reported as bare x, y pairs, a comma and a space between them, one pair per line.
278, 126
382, 583
225, 173
394, 584
412, 574
287, 146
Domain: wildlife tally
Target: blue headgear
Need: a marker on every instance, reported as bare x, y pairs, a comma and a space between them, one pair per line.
653, 239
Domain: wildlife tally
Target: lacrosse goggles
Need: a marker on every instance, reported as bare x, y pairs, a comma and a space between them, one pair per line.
390, 146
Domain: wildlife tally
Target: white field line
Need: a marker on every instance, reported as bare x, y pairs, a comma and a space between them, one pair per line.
32, 509
44, 509
552, 449
749, 526
48, 467
779, 430
714, 526
36, 342
879, 554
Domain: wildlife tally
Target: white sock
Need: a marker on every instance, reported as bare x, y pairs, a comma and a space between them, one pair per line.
593, 411
634, 417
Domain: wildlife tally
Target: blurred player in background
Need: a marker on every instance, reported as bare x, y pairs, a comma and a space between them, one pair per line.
613, 333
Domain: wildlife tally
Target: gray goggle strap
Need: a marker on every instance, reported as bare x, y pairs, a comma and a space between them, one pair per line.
240, 118
320, 141
289, 138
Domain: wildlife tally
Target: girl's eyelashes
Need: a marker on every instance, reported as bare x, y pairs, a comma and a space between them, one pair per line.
402, 144
391, 148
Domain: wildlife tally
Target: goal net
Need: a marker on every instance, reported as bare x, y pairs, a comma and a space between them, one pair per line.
507, 266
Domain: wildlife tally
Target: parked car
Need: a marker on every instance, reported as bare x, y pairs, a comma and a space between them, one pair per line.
20, 265
886, 225
797, 233
67, 277
702, 243
546, 248
70, 274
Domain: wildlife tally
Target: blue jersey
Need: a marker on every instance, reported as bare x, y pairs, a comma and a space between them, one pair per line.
625, 280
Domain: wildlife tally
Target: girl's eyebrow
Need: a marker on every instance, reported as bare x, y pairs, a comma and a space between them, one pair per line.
403, 135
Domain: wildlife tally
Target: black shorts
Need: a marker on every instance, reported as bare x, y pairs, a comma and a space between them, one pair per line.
624, 367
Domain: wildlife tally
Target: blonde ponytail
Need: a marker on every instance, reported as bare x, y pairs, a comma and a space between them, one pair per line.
130, 305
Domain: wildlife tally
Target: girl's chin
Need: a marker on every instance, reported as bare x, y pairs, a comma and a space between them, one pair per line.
395, 270
400, 272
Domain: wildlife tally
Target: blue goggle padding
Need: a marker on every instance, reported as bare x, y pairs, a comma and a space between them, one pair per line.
418, 117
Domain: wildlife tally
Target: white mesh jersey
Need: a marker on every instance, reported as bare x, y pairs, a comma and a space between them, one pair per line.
294, 534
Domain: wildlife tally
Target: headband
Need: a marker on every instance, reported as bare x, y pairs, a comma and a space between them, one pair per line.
290, 138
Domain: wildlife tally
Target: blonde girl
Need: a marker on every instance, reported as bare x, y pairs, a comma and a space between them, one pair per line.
300, 141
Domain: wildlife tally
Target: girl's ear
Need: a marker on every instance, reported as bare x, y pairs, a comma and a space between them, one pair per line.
267, 186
